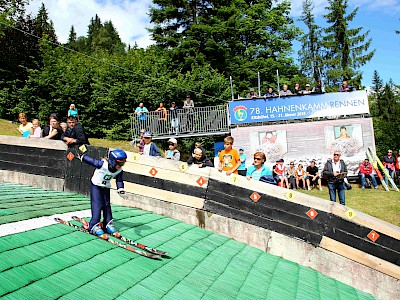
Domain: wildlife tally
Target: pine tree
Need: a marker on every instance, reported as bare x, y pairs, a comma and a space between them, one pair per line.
44, 26
238, 38
310, 54
346, 48
72, 35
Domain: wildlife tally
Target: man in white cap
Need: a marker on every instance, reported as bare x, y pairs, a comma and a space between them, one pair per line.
307, 91
172, 152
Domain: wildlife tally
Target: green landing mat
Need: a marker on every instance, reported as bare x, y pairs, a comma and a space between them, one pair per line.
59, 262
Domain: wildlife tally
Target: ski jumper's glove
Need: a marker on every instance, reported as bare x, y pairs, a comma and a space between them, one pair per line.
79, 155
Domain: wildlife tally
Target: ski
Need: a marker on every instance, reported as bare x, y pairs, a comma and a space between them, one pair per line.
131, 242
105, 237
376, 158
375, 166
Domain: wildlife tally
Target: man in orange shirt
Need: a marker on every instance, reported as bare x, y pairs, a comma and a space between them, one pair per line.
229, 159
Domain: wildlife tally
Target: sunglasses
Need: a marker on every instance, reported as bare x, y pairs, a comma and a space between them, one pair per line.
336, 154
146, 137
390, 152
292, 164
257, 158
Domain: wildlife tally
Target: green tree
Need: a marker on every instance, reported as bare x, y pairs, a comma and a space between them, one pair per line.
346, 48
238, 38
107, 39
44, 26
311, 52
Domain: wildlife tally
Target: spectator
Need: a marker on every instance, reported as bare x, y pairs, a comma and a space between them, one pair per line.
162, 118
252, 94
199, 159
300, 176
397, 167
63, 126
141, 141
307, 91
75, 134
229, 159
198, 145
258, 169
366, 171
285, 91
270, 93
280, 173
313, 176
318, 89
389, 163
141, 112
335, 171
54, 131
149, 148
73, 111
174, 118
345, 87
242, 169
291, 175
297, 89
172, 153
188, 105
25, 128
216, 159
37, 131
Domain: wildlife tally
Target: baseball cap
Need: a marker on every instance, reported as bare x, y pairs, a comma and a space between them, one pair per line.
187, 96
147, 134
173, 141
251, 90
241, 148
172, 102
281, 160
307, 84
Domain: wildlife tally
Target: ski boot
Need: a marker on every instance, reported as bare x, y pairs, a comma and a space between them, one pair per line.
96, 230
110, 229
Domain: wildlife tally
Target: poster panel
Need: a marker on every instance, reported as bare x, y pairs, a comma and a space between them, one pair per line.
298, 107
307, 141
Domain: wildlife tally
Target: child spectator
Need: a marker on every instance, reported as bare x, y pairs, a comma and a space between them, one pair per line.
198, 145
106, 170
242, 169
300, 174
172, 153
280, 171
291, 175
37, 131
141, 141
25, 128
216, 159
199, 159
63, 126
149, 148
73, 111
229, 159
258, 169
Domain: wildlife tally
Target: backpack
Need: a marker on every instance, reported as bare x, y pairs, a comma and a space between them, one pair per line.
367, 183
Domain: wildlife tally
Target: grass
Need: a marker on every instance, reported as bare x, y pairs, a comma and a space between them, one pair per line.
378, 203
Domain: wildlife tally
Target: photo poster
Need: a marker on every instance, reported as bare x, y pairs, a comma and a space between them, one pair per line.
303, 142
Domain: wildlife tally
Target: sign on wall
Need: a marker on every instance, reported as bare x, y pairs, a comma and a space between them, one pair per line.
298, 107
304, 142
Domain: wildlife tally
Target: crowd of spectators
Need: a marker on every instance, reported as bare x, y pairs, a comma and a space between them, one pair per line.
297, 90
70, 131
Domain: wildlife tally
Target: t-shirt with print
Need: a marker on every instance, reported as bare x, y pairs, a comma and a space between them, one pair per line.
229, 159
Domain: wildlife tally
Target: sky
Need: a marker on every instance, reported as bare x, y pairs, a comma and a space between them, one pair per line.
130, 18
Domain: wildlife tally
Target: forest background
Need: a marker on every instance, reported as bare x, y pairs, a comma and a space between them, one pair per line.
198, 46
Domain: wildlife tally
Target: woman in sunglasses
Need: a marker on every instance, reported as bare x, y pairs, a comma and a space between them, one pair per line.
106, 169
257, 170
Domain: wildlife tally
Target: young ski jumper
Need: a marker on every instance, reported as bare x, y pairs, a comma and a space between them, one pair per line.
106, 170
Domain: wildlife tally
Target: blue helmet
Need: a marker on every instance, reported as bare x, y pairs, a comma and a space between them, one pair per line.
116, 156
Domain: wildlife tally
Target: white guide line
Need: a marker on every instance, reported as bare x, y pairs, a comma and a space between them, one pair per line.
22, 226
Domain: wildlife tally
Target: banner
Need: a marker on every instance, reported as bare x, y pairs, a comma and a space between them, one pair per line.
298, 107
304, 142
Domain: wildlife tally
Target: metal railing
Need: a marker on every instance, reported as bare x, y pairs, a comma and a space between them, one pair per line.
210, 120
